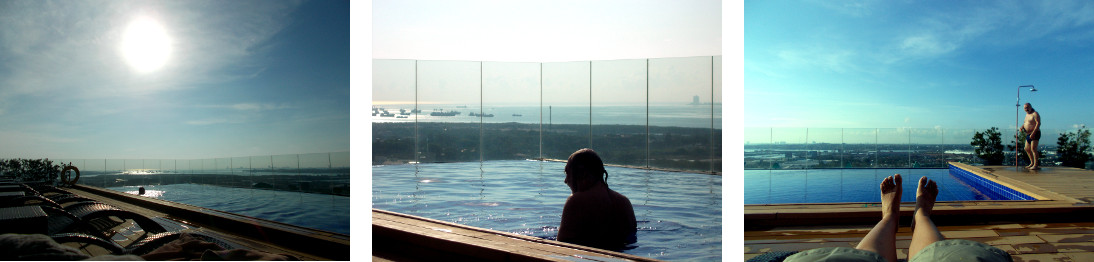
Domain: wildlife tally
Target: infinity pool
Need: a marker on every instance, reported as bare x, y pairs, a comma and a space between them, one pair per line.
323, 212
849, 185
679, 214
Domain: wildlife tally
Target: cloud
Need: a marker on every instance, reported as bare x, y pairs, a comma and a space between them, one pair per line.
254, 107
72, 48
858, 8
926, 45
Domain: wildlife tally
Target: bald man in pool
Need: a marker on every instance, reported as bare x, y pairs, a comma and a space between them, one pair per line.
594, 215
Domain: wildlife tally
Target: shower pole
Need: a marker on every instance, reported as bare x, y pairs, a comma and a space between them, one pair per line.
1017, 114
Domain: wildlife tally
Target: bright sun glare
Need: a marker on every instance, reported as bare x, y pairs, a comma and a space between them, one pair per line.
145, 45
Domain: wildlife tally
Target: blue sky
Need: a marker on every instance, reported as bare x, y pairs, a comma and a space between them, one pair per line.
241, 78
916, 64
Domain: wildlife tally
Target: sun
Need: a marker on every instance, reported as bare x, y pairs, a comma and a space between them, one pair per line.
145, 45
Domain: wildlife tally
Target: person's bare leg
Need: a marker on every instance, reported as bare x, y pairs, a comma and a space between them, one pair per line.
882, 238
1034, 158
925, 231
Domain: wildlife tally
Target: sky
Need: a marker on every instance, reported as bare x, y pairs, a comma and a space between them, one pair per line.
916, 65
222, 79
448, 38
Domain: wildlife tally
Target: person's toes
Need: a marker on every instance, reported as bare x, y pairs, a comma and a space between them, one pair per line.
922, 183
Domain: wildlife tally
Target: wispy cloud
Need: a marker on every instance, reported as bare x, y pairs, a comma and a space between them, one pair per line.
254, 107
72, 48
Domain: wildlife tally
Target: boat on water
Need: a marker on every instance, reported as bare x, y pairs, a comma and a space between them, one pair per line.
517, 115
403, 116
448, 113
482, 115
386, 114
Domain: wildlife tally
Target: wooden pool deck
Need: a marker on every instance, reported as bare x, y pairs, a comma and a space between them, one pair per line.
402, 237
1059, 226
247, 232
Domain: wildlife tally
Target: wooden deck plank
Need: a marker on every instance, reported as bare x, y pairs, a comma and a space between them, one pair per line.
1041, 257
1067, 238
477, 243
1042, 230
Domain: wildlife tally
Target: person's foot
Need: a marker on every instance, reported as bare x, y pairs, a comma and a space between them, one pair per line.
890, 196
925, 195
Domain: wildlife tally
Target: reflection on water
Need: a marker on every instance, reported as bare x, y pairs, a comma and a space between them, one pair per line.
679, 213
147, 193
323, 212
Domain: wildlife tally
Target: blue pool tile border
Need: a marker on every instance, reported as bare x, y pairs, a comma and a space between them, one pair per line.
989, 188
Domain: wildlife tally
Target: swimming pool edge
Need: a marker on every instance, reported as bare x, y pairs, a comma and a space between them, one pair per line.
403, 236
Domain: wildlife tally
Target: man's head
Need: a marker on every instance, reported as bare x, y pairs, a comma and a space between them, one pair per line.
584, 169
1028, 108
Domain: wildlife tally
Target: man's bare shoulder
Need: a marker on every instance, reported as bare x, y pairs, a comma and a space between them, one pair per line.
618, 196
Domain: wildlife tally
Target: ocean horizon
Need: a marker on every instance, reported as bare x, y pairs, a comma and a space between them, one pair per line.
685, 115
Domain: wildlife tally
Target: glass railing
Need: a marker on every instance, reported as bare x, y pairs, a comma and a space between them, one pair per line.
657, 113
313, 188
818, 148
321, 173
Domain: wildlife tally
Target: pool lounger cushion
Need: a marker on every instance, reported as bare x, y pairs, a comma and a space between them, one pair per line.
87, 211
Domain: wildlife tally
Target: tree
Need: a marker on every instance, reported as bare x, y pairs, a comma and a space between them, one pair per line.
30, 169
1072, 148
988, 146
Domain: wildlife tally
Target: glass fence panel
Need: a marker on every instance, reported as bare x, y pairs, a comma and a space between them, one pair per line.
340, 160
958, 145
717, 109
790, 142
393, 90
680, 99
566, 95
926, 148
825, 148
860, 147
449, 93
511, 118
893, 147
1012, 147
619, 111
758, 151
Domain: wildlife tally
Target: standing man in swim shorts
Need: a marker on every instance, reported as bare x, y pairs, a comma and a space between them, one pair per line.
1032, 127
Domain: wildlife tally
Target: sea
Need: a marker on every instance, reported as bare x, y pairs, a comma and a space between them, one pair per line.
698, 116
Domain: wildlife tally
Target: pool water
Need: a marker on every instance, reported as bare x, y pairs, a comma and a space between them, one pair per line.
318, 211
679, 214
846, 185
